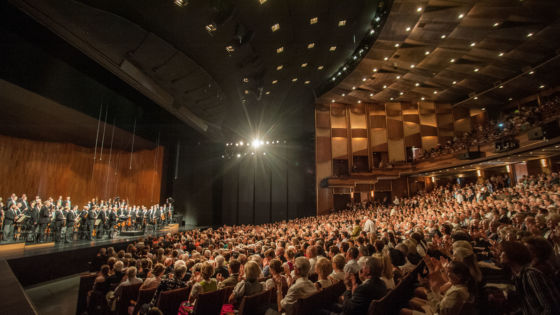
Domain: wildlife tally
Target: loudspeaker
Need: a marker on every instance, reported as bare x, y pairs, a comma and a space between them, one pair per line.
535, 133
549, 130
469, 155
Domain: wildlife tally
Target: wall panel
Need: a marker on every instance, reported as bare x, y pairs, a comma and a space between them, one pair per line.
52, 169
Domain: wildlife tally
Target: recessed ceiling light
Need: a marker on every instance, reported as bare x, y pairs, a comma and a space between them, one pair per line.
476, 69
333, 48
279, 67
500, 54
370, 94
452, 60
359, 101
275, 27
531, 72
374, 70
294, 79
332, 101
460, 16
355, 57
443, 36
401, 93
398, 77
483, 108
426, 52
343, 94
262, 1
384, 86
435, 92
364, 79
267, 92
386, 58
275, 81
416, 84
392, 98
419, 9
181, 3
475, 98
397, 45
280, 49
333, 78
313, 20
501, 87
541, 86
473, 44
412, 66
320, 68
211, 27
310, 45
422, 98
303, 65
245, 80
510, 99
454, 82
496, 24
246, 91
341, 23
408, 28
530, 34
353, 88
307, 82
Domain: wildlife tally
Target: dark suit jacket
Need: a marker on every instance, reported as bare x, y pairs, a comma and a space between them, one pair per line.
358, 302
44, 215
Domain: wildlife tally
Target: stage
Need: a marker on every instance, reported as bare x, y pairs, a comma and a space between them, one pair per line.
42, 262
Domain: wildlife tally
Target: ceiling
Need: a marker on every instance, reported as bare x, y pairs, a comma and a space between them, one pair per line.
221, 66
472, 53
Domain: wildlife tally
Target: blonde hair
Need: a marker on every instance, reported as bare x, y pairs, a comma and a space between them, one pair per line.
339, 261
206, 270
252, 271
323, 267
387, 271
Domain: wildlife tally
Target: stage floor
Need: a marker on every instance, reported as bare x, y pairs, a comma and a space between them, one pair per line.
20, 249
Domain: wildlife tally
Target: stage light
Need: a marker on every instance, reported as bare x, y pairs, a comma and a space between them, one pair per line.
240, 142
238, 155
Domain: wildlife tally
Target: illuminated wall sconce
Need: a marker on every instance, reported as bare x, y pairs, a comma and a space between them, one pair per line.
433, 179
478, 173
544, 163
508, 168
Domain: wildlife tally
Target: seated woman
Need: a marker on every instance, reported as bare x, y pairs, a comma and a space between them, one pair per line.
173, 281
452, 302
204, 283
323, 268
96, 299
275, 267
154, 280
338, 263
249, 285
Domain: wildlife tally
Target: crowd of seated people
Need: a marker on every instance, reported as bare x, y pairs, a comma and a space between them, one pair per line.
508, 126
484, 249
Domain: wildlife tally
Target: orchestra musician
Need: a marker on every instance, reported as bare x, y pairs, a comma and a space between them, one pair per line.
83, 228
59, 219
91, 218
71, 217
44, 219
9, 218
102, 219
33, 221
112, 220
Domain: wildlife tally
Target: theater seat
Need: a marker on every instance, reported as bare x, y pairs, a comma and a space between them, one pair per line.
320, 300
128, 292
256, 304
144, 296
86, 284
169, 301
209, 303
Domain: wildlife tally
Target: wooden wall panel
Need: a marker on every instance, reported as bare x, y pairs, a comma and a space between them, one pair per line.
53, 169
323, 119
340, 148
323, 149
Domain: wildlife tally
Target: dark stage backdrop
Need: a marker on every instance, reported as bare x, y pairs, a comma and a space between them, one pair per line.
52, 169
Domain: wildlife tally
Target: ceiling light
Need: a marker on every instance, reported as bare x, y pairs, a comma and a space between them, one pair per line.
343, 94
181, 3
541, 86
510, 99
374, 70
267, 92
452, 60
412, 66
500, 54
377, 19
275, 81
408, 29
454, 82
371, 32
483, 108
419, 9
279, 67
426, 52
359, 101
262, 1
355, 57
501, 87
475, 98
443, 36
473, 44
496, 24
211, 27
531, 72
303, 65
333, 78
294, 79
333, 48
280, 50
320, 68
386, 58
460, 16
341, 23
397, 45
392, 98
245, 80
435, 92
344, 68
530, 34
476, 69
370, 94
332, 101
338, 73
230, 49
275, 27
416, 84
353, 88
246, 91
422, 98
398, 77
313, 20
384, 86
401, 93
310, 45
364, 79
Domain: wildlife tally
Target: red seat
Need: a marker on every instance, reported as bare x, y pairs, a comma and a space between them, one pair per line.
128, 292
144, 296
169, 301
256, 303
209, 303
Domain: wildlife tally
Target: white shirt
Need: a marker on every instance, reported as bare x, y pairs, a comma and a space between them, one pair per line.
302, 288
369, 226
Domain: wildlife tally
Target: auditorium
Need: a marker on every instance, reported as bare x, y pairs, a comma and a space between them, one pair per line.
267, 157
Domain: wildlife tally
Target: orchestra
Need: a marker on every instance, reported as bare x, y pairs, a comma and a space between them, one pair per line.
62, 222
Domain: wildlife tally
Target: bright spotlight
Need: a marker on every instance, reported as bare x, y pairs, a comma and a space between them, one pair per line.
240, 142
238, 155
268, 142
256, 143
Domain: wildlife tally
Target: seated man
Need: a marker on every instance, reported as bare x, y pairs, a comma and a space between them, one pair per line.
358, 297
301, 286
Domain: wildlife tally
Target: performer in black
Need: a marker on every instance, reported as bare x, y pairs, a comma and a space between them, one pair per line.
102, 215
83, 223
58, 224
44, 219
9, 218
71, 217
91, 217
112, 221
33, 222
